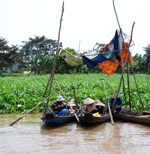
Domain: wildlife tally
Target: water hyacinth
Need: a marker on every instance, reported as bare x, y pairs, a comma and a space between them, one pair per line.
20, 94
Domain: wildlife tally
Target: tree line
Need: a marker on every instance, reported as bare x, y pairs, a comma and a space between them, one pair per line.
37, 56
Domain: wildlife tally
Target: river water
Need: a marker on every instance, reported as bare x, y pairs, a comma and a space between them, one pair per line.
29, 136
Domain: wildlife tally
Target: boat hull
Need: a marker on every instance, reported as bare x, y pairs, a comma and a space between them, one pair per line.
51, 119
133, 116
89, 119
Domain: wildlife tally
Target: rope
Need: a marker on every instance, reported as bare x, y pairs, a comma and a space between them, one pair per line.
110, 32
96, 53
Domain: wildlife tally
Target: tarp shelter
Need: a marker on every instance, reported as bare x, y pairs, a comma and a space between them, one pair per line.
107, 58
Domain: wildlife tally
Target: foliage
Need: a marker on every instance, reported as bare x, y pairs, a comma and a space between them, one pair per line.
147, 57
20, 94
139, 66
38, 53
8, 54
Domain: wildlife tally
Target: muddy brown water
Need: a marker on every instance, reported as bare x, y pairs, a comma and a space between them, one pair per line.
29, 136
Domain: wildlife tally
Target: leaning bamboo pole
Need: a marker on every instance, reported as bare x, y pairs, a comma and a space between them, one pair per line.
107, 102
137, 87
126, 61
67, 100
123, 89
127, 57
32, 109
50, 81
126, 65
128, 82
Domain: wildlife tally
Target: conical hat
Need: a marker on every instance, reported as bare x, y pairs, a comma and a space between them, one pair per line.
88, 101
98, 102
72, 102
114, 95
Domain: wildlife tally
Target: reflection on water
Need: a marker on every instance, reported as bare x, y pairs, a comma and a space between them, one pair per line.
29, 136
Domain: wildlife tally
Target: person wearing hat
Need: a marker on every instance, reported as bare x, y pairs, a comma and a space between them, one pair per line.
118, 104
90, 106
72, 106
58, 107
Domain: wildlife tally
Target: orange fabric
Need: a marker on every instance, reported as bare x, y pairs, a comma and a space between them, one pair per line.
109, 67
108, 46
123, 54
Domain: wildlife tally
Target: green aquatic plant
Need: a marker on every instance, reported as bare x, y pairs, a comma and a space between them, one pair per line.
20, 94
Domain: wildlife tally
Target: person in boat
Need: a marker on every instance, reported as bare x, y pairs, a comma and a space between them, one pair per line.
58, 107
118, 103
90, 106
100, 106
73, 107
93, 106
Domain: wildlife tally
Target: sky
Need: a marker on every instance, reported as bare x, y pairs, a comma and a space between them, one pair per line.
84, 23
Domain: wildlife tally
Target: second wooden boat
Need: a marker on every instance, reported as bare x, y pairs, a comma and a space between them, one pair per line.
94, 118
133, 116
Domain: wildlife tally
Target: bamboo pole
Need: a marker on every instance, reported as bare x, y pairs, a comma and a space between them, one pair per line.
127, 57
50, 81
137, 87
76, 98
111, 117
124, 90
66, 99
116, 15
128, 84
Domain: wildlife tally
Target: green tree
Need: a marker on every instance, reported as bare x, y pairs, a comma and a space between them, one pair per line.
139, 61
147, 57
37, 52
8, 54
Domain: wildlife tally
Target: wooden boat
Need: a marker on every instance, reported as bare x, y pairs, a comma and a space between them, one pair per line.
50, 119
90, 119
133, 116
96, 118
